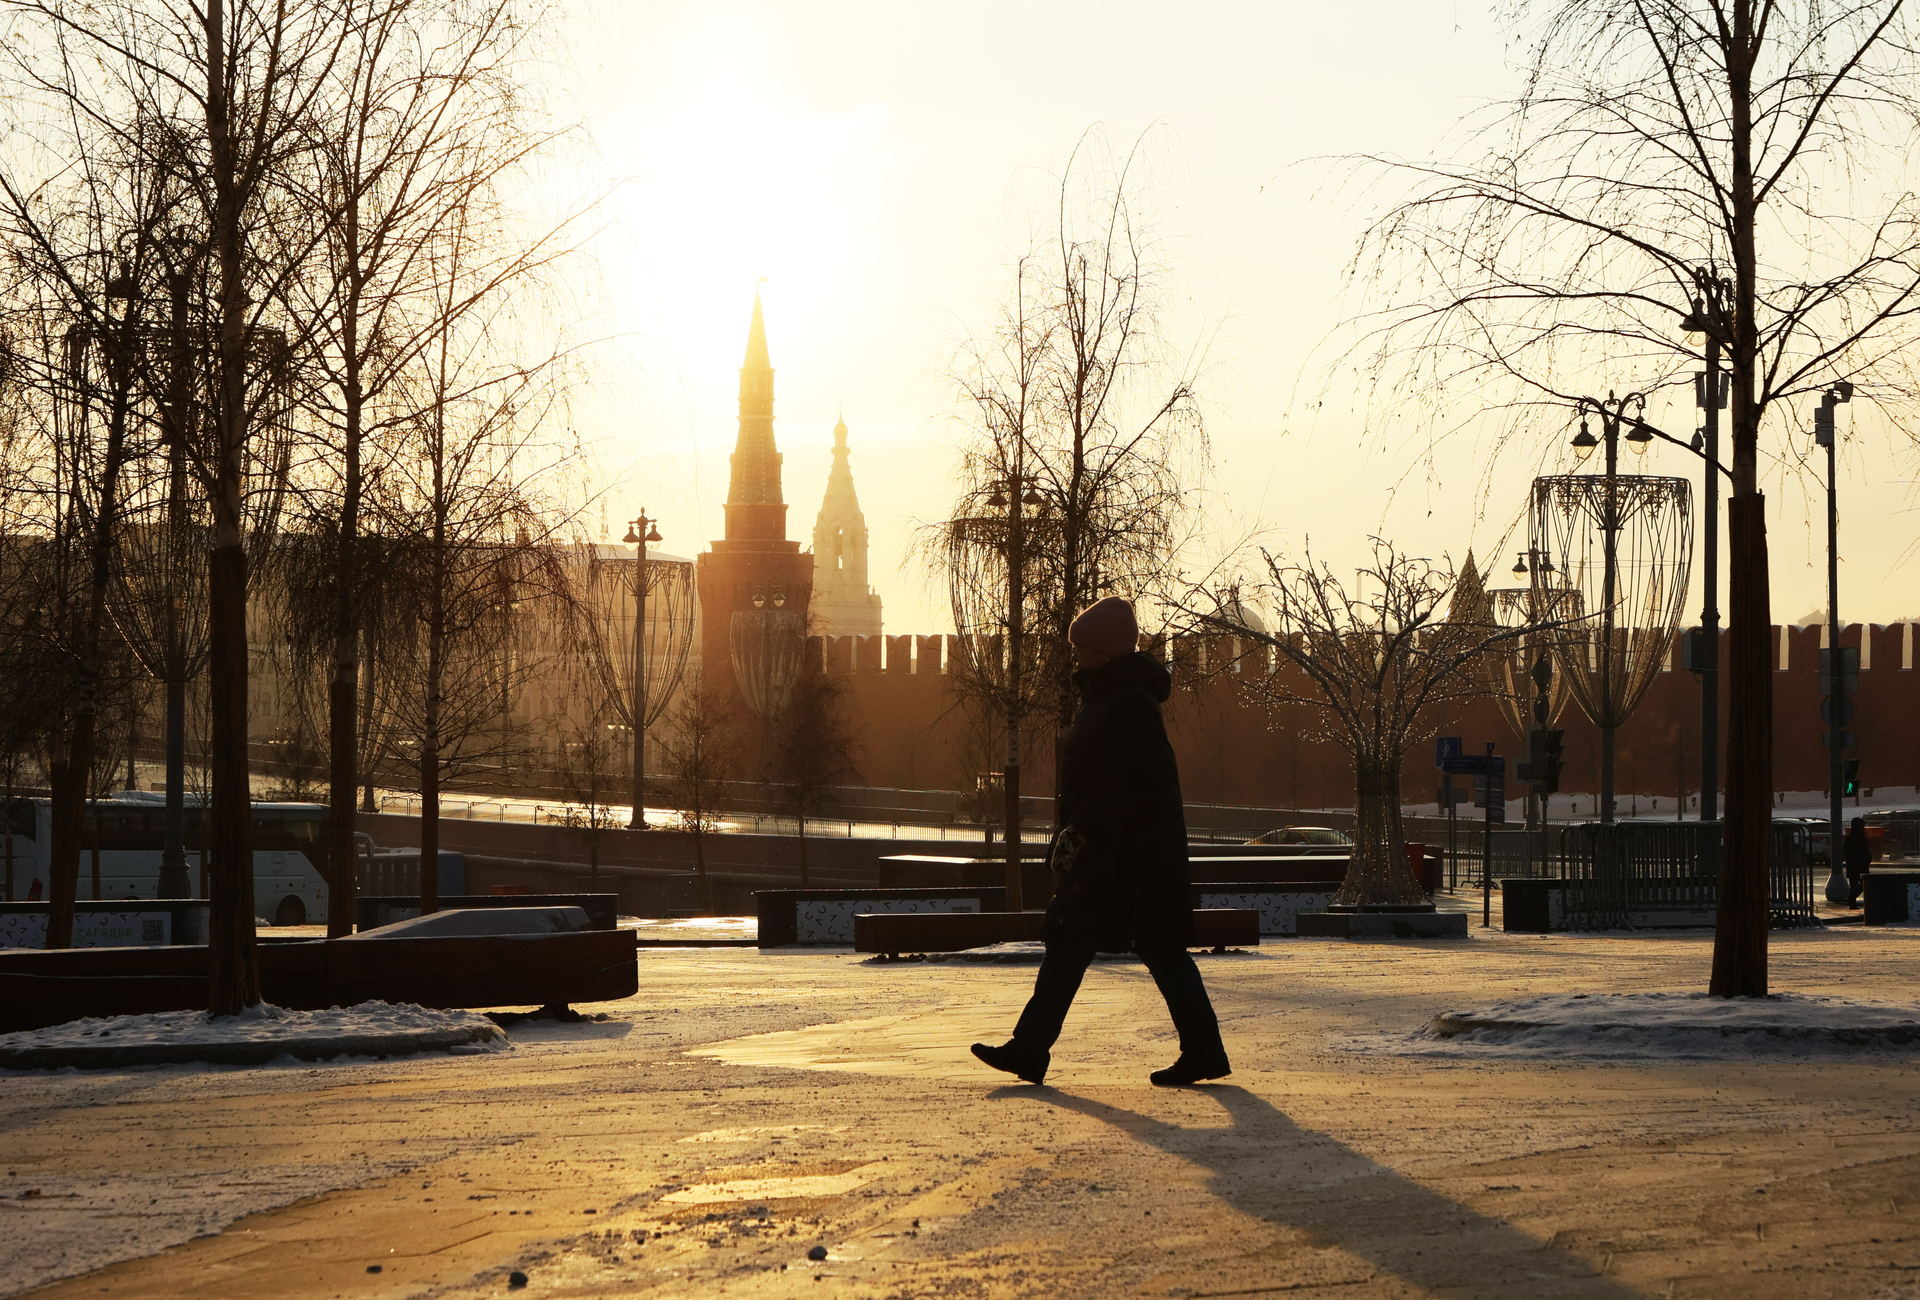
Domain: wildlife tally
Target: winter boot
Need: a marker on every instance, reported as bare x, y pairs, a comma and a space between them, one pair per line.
1191, 1068
1012, 1058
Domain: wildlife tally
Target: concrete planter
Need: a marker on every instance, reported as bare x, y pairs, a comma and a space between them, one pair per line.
1373, 924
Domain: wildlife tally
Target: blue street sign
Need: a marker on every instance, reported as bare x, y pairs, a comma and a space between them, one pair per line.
1444, 748
1476, 764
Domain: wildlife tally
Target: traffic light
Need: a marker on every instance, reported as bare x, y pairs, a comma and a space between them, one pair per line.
1541, 767
1850, 777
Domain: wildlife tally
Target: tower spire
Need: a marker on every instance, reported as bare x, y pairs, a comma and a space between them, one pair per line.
843, 603
757, 337
755, 509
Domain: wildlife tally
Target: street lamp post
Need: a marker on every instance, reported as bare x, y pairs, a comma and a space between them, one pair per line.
1013, 494
1837, 705
175, 882
1611, 414
1704, 325
639, 533
1532, 560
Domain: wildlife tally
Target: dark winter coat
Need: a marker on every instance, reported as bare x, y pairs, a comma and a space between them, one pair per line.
1120, 857
1855, 851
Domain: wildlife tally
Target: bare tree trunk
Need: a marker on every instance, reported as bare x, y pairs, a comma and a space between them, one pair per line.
64, 816
430, 720
233, 968
233, 963
700, 867
72, 781
6, 827
367, 804
430, 771
95, 847
1740, 925
1378, 871
1740, 928
342, 707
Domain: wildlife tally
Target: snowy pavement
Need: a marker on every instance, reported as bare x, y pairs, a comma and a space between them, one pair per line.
746, 1108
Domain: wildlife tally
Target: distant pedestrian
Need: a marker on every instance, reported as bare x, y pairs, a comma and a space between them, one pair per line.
1120, 856
1857, 854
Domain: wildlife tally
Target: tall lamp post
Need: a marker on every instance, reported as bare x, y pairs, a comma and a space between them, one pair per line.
1611, 414
1531, 559
181, 256
1013, 494
1707, 323
639, 533
1838, 708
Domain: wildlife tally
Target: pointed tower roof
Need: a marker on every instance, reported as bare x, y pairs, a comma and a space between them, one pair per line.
843, 602
840, 494
757, 358
754, 508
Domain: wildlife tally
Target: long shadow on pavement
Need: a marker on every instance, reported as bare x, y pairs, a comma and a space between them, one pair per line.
1267, 1166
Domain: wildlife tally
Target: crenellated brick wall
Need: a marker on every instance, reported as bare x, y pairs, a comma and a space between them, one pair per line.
914, 733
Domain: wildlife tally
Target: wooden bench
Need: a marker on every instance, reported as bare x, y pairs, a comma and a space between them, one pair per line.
958, 931
47, 987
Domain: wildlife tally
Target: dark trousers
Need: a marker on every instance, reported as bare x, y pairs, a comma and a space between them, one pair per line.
1173, 972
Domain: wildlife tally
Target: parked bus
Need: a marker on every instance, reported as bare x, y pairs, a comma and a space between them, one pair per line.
129, 831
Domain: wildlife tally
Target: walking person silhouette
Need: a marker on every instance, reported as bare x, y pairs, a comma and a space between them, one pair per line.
1119, 857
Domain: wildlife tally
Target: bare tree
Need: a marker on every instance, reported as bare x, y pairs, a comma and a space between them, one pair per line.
1076, 415
422, 122
215, 95
1374, 661
484, 549
813, 749
700, 755
590, 773
1670, 164
599, 635
79, 250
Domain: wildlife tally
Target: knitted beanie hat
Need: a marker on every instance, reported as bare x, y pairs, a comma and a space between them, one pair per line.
1107, 626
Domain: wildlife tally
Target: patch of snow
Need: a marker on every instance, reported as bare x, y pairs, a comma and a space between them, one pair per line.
259, 1024
1640, 1026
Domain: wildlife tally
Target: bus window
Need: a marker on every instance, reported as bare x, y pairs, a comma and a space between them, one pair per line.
21, 821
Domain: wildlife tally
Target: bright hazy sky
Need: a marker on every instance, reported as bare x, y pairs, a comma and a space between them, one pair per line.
881, 165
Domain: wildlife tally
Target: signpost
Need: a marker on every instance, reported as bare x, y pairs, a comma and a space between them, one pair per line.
1489, 771
1444, 748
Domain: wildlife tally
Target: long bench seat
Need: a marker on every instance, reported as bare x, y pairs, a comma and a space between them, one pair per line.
41, 987
958, 931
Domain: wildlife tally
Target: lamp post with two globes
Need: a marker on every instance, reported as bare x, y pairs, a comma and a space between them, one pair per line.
1707, 324
1612, 414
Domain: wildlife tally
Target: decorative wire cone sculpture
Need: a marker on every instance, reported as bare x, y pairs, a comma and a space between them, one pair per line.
975, 559
1622, 546
159, 594
1506, 671
1511, 672
1610, 657
768, 646
668, 633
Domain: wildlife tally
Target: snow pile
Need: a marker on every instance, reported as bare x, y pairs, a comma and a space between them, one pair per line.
263, 1026
1641, 1025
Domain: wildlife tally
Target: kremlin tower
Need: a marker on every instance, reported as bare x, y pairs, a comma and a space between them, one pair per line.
754, 566
843, 603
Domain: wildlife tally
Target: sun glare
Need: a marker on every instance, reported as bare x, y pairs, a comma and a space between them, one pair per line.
732, 183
